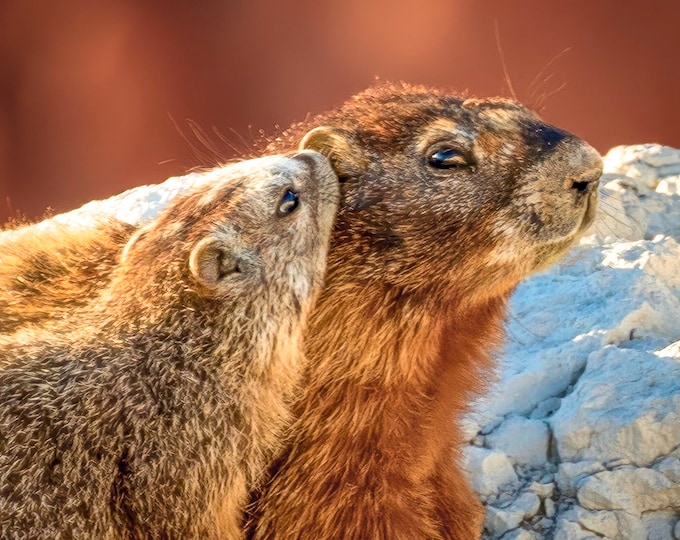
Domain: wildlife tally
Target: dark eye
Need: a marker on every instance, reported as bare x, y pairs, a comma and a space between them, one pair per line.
448, 158
288, 203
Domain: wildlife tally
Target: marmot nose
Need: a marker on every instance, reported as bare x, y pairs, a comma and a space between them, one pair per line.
586, 165
586, 182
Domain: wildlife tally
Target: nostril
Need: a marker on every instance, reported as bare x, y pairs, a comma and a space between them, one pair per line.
580, 186
584, 182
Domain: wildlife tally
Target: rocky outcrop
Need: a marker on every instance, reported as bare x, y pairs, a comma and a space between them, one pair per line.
587, 406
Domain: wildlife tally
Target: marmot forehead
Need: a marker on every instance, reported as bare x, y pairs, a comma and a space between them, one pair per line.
388, 117
247, 193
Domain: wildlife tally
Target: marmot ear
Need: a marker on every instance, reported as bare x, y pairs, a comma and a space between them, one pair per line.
137, 235
338, 146
212, 260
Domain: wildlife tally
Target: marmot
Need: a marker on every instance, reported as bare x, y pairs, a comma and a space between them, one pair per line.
154, 409
448, 203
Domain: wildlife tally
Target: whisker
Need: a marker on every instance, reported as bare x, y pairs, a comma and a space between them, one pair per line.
226, 141
533, 85
544, 97
215, 156
199, 154
506, 74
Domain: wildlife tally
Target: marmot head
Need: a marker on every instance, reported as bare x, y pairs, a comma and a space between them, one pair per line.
465, 195
257, 237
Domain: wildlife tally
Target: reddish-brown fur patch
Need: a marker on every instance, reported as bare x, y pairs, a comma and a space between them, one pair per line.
402, 338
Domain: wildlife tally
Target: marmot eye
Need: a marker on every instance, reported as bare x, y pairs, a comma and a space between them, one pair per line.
288, 203
448, 158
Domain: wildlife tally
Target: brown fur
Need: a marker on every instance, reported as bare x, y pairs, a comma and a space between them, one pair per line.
40, 266
152, 411
421, 265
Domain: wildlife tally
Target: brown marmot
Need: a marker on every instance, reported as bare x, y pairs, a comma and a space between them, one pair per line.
448, 203
152, 411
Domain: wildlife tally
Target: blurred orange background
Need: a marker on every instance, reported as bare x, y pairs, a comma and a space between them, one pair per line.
90, 91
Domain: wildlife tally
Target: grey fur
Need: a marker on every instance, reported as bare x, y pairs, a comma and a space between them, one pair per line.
153, 410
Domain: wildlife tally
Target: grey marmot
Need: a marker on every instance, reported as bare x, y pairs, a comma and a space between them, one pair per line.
151, 411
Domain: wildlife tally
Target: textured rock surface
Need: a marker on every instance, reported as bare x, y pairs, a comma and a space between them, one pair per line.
593, 354
580, 438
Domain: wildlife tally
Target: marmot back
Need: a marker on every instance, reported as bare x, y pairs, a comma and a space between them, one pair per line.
151, 411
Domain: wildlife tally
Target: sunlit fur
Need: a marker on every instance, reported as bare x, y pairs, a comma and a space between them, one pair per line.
40, 267
152, 411
421, 264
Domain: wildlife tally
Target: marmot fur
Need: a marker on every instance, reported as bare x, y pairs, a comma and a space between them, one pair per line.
154, 409
448, 202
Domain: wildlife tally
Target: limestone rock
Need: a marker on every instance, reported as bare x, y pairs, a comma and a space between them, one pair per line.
501, 520
542, 490
568, 530
593, 351
633, 490
549, 505
670, 468
626, 405
521, 534
571, 475
488, 470
524, 441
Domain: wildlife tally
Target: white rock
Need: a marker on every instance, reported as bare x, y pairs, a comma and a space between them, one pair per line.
669, 186
498, 521
646, 177
487, 470
670, 468
524, 441
542, 490
545, 523
660, 156
571, 475
617, 524
655, 156
668, 170
527, 503
633, 490
501, 520
568, 530
521, 534
610, 524
645, 321
549, 505
546, 408
625, 405
659, 525
676, 531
